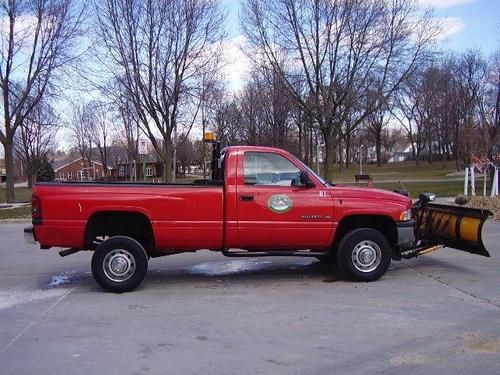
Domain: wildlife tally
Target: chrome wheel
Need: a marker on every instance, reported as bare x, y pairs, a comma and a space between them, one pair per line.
119, 265
366, 256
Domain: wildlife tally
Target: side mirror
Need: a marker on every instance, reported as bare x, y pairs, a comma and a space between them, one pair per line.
305, 180
427, 197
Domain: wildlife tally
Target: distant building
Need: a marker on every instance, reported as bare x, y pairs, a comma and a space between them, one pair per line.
148, 168
75, 169
399, 156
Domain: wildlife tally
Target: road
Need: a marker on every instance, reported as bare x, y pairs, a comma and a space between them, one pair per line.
205, 314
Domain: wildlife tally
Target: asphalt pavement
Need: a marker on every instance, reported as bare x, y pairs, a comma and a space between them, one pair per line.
202, 313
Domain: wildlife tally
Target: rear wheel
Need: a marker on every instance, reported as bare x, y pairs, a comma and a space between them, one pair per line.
364, 255
119, 264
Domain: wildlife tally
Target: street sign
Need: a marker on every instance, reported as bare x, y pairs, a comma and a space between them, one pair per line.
143, 147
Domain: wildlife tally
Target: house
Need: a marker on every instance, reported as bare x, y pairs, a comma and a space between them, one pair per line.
76, 169
147, 168
399, 156
402, 154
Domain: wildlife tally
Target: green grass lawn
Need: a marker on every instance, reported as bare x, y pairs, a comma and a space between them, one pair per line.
441, 189
23, 194
397, 171
16, 213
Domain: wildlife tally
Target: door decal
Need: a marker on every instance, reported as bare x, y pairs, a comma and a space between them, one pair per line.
280, 203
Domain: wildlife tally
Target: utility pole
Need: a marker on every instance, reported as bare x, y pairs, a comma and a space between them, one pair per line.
174, 157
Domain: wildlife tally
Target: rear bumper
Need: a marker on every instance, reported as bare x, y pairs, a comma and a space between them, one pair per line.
29, 235
406, 232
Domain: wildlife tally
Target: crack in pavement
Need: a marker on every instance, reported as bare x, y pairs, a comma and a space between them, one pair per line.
36, 320
480, 299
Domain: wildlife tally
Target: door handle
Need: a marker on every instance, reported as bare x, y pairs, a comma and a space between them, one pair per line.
246, 198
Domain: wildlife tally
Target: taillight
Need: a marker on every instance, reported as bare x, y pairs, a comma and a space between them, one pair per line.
36, 208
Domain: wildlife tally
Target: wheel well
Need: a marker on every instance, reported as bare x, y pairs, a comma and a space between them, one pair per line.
383, 224
118, 223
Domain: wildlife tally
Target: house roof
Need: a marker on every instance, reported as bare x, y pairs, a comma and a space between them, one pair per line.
60, 164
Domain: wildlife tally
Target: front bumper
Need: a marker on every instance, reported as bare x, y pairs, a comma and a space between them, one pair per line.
406, 232
29, 235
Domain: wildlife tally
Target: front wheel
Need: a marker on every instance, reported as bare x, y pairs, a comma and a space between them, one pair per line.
364, 255
119, 264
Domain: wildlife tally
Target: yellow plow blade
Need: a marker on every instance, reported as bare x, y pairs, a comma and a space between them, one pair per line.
453, 226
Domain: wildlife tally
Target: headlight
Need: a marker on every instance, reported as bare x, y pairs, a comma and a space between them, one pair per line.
405, 215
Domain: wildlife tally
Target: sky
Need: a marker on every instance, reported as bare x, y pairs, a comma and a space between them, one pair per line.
466, 24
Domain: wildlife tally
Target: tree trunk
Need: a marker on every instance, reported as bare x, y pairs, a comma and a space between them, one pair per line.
443, 156
31, 179
378, 148
9, 171
329, 153
167, 160
429, 147
300, 142
347, 150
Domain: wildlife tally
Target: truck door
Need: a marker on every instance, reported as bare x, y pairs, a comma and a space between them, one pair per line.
275, 214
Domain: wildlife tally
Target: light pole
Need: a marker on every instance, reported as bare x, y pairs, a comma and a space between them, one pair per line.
315, 126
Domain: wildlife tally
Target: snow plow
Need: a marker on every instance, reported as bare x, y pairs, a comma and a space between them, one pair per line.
451, 226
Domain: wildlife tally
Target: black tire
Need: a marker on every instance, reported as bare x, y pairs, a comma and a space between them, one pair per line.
363, 255
119, 264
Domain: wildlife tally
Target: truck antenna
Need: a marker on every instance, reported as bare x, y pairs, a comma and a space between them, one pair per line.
405, 189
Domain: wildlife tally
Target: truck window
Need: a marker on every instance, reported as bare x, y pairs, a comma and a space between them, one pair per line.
266, 168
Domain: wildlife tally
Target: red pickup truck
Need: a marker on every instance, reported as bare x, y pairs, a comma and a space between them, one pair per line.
260, 202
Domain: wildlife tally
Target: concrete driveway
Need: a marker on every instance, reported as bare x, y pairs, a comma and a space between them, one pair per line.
205, 314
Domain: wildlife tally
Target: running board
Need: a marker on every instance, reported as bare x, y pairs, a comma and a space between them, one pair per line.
276, 253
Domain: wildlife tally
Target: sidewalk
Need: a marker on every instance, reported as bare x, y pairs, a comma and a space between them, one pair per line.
10, 206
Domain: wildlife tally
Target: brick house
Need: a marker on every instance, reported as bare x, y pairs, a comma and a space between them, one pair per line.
76, 170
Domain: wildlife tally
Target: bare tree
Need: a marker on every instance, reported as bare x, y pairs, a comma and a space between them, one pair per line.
129, 136
186, 154
100, 127
469, 75
81, 132
407, 111
227, 122
334, 47
212, 96
276, 107
377, 119
158, 50
35, 138
489, 106
37, 40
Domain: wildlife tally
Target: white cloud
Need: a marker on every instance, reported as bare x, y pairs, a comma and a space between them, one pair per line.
237, 63
450, 26
442, 4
